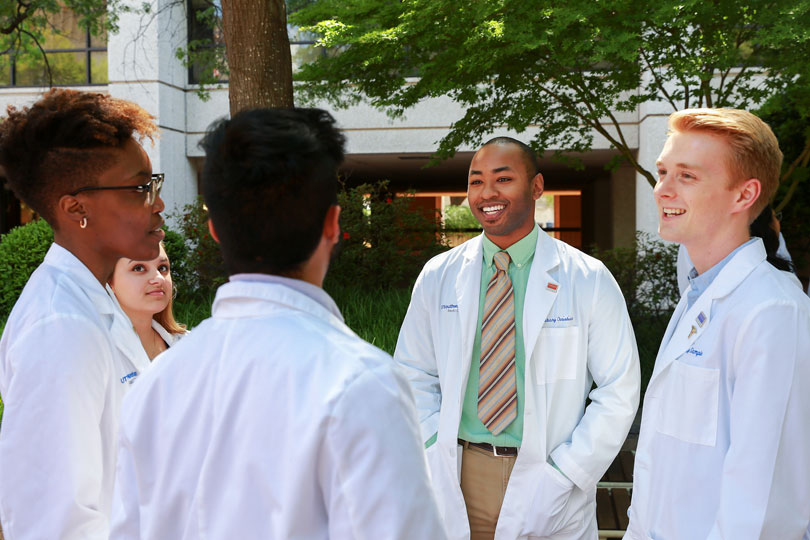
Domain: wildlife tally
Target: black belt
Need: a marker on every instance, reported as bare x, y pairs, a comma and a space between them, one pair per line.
497, 451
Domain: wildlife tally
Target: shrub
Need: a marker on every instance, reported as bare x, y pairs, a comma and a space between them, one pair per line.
385, 241
203, 269
646, 274
460, 217
21, 250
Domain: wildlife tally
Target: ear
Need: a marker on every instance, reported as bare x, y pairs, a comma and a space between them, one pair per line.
213, 231
747, 194
331, 224
70, 209
538, 184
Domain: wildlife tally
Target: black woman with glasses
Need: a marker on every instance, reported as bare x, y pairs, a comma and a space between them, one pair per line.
68, 353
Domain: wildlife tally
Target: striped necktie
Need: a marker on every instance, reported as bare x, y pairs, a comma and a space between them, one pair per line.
497, 389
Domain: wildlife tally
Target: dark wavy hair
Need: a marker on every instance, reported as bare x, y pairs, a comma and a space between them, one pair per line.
762, 227
269, 178
60, 143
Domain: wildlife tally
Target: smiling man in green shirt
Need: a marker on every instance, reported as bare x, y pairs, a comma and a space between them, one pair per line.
503, 341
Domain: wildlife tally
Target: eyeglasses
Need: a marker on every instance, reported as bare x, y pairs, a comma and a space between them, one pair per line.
151, 188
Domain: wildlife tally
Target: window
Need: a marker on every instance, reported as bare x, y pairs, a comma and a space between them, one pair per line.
75, 57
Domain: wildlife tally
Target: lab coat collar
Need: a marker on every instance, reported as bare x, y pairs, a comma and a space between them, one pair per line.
67, 263
243, 298
542, 288
103, 300
687, 325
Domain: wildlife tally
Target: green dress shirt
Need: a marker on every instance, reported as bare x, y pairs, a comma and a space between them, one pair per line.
471, 428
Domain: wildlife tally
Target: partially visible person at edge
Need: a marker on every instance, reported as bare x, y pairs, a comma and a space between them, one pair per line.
68, 352
765, 226
272, 419
145, 291
522, 358
723, 450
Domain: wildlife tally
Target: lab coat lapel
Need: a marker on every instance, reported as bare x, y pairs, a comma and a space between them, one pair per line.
125, 337
541, 290
687, 325
468, 291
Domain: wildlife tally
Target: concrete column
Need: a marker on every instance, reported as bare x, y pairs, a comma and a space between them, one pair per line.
143, 68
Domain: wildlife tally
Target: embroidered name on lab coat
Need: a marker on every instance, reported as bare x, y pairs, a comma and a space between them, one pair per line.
555, 320
450, 308
694, 351
129, 377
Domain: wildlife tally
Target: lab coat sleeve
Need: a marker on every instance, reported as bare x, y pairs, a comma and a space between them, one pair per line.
612, 360
372, 467
765, 491
51, 443
125, 517
417, 359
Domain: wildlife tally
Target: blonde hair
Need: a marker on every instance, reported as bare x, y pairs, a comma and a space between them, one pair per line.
754, 150
166, 318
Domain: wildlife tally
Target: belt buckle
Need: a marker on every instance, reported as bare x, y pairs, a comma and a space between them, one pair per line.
496, 454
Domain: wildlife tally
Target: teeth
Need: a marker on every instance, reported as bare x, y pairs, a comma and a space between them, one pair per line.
674, 211
494, 208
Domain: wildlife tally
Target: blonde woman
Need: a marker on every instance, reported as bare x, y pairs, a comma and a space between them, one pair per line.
144, 290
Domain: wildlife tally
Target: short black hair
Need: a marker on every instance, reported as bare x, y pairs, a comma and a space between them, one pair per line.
270, 176
529, 156
62, 143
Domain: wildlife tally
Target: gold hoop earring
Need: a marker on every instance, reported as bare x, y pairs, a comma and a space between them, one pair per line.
83, 222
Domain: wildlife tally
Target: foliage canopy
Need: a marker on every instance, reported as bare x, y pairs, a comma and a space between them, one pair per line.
569, 67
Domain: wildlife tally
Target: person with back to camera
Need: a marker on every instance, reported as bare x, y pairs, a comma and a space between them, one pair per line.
68, 352
145, 291
723, 449
272, 419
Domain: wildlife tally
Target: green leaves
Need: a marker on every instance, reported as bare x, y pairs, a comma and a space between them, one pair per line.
567, 67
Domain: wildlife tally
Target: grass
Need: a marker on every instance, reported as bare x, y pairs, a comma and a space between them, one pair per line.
374, 314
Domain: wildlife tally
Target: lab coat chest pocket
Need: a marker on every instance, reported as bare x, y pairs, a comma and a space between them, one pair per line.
556, 356
689, 407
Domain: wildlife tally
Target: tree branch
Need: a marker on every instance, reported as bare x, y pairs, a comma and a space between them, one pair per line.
658, 82
800, 161
44, 56
23, 12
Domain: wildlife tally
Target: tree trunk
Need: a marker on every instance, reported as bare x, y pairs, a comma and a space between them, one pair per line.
258, 52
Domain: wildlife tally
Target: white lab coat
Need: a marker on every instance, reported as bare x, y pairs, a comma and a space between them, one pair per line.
574, 335
67, 357
272, 420
723, 450
684, 266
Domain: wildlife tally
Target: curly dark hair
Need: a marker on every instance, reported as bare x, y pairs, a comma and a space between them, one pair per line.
61, 143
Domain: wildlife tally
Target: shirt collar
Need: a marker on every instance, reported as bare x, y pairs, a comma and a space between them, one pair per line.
307, 289
700, 282
521, 252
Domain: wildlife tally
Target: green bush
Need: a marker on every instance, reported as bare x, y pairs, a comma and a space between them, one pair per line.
646, 274
460, 217
21, 251
202, 266
385, 241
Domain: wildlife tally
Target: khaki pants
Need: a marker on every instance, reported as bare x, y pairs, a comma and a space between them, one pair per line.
483, 483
